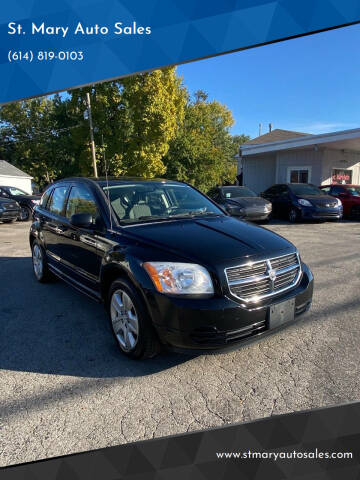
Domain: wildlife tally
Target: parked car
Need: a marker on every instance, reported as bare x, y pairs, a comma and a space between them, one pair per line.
349, 195
241, 202
171, 267
9, 210
302, 201
26, 201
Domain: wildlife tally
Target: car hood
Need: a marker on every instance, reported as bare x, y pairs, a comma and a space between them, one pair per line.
208, 240
26, 197
8, 201
248, 201
320, 200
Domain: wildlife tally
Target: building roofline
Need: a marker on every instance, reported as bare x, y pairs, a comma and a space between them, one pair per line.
17, 176
296, 142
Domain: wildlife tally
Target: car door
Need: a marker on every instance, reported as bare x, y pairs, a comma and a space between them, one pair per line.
80, 253
51, 218
283, 201
272, 195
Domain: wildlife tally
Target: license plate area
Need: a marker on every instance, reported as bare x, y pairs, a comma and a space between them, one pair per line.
281, 313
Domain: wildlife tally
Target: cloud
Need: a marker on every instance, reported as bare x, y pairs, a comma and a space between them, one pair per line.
324, 127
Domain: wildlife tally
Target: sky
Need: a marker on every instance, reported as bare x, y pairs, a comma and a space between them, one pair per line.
309, 84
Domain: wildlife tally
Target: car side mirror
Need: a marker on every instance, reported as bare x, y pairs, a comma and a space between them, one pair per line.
82, 220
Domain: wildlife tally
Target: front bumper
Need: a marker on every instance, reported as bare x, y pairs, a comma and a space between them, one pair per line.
9, 214
317, 213
220, 323
255, 214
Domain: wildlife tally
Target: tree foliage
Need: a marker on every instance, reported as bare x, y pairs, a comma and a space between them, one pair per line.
144, 125
203, 151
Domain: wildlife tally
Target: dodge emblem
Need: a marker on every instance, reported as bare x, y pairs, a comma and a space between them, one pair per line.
272, 275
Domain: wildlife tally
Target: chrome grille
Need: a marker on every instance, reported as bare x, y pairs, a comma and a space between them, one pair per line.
245, 271
253, 281
282, 262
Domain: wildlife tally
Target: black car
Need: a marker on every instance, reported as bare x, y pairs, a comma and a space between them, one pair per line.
171, 267
26, 201
9, 210
241, 202
302, 201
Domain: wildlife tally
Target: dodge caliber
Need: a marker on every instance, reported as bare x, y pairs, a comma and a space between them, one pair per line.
172, 268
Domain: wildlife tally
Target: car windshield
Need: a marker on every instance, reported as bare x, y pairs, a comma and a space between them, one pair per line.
305, 189
355, 191
235, 192
143, 202
16, 191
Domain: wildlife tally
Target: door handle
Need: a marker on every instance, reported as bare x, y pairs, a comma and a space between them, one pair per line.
88, 240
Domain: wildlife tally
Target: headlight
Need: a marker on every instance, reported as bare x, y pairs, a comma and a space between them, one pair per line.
268, 207
179, 278
339, 203
304, 203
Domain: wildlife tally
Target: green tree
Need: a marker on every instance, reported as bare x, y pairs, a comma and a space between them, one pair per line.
134, 121
35, 135
203, 151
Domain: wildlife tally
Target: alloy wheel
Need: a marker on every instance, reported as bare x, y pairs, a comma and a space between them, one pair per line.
292, 215
124, 320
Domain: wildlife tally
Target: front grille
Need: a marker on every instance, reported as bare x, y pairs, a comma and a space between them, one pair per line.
325, 214
282, 262
326, 203
253, 281
215, 337
245, 271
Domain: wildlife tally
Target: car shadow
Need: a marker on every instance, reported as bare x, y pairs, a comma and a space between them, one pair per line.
53, 329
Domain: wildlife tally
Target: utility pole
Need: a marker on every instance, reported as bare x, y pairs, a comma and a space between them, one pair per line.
92, 143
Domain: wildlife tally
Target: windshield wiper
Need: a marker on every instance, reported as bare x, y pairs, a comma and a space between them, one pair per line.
194, 213
190, 214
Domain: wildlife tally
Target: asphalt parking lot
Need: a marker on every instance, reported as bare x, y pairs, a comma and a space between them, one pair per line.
65, 388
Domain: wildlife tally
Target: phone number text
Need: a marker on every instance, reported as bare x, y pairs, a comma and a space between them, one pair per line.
45, 56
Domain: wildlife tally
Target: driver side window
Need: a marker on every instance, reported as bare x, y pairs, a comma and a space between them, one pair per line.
81, 201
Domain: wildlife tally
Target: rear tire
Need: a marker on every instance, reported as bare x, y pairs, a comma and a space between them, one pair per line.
130, 322
40, 267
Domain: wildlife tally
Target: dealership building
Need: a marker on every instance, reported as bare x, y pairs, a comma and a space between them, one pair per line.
283, 156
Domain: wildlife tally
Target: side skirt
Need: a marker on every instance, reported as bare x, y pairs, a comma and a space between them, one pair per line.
79, 286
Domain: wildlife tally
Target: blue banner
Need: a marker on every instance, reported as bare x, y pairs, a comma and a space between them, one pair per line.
51, 46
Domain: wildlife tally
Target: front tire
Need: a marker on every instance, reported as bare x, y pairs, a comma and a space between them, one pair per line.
130, 322
40, 267
293, 215
25, 214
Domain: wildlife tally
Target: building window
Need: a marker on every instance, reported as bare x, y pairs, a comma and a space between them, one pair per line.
340, 176
299, 174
